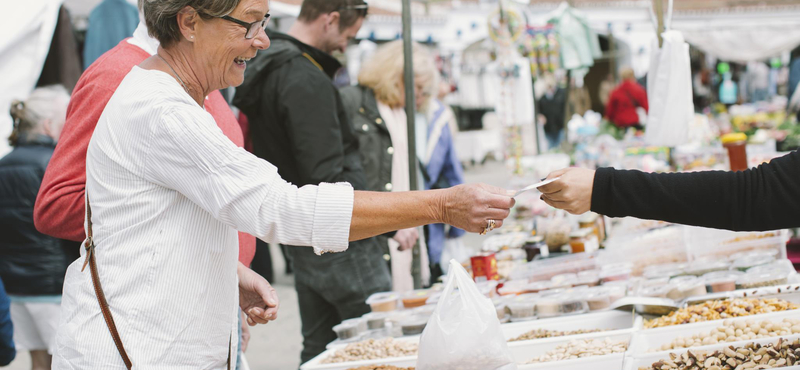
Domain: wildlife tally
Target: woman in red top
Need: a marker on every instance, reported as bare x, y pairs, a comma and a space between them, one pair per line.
624, 101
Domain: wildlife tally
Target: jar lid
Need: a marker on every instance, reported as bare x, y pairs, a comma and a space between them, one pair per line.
733, 137
382, 297
718, 276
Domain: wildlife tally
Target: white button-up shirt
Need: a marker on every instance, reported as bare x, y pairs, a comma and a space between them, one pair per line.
168, 191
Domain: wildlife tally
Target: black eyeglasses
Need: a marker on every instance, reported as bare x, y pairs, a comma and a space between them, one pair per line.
252, 28
362, 8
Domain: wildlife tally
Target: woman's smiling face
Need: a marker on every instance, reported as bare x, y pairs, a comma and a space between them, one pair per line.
221, 46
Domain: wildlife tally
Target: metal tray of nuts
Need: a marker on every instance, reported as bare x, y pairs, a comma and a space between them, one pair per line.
645, 341
678, 356
533, 349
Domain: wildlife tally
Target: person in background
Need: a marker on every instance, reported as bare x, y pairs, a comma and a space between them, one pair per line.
7, 349
298, 124
794, 73
442, 170
376, 110
551, 108
627, 103
32, 264
59, 210
110, 22
605, 89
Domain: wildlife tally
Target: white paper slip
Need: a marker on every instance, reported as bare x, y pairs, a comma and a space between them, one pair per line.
534, 186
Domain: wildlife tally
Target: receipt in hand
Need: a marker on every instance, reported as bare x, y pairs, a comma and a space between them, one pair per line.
534, 186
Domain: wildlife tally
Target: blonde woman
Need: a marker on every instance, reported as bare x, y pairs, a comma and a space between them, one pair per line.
376, 109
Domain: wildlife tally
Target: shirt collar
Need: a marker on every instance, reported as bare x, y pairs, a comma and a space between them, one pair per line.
142, 40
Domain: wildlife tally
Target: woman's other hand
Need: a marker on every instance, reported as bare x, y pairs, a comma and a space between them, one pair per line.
257, 298
572, 192
406, 238
470, 207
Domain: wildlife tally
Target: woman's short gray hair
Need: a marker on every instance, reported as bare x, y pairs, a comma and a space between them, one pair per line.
161, 16
44, 103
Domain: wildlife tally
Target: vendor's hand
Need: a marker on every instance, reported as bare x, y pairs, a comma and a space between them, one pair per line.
245, 333
406, 237
257, 298
572, 192
470, 207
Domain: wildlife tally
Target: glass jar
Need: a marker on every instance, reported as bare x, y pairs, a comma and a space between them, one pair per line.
583, 240
736, 143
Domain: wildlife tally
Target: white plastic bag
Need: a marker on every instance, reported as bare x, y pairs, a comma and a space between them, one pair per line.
669, 92
464, 332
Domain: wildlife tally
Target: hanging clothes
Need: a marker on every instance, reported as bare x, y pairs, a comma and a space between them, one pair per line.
580, 45
109, 23
63, 63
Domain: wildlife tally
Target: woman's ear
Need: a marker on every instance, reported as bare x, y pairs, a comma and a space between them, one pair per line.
187, 20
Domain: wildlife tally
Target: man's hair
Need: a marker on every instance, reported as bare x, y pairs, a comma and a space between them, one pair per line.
313, 9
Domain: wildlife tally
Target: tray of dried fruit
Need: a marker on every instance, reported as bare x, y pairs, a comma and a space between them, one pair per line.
765, 353
573, 354
400, 352
593, 325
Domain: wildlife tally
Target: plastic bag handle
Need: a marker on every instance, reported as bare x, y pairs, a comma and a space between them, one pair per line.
458, 275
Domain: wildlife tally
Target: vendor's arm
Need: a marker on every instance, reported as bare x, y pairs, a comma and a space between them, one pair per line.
763, 198
191, 155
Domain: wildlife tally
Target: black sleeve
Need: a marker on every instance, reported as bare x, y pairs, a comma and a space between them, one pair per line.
309, 105
760, 199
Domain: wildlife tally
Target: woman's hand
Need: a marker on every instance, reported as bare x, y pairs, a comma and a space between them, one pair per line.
406, 237
257, 297
572, 192
470, 207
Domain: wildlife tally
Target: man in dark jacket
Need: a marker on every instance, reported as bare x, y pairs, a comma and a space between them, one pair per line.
298, 123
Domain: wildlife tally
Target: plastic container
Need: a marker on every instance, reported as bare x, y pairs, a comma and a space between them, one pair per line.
350, 329
501, 305
383, 302
667, 270
522, 308
375, 320
649, 283
488, 288
700, 268
660, 291
779, 265
564, 280
598, 300
748, 281
538, 286
616, 292
692, 289
413, 325
721, 281
747, 262
589, 278
617, 272
559, 305
736, 143
416, 298
512, 287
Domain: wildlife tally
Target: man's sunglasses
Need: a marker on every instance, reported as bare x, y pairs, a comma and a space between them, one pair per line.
362, 8
252, 28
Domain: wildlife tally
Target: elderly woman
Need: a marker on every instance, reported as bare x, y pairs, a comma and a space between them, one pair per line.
376, 110
166, 192
32, 264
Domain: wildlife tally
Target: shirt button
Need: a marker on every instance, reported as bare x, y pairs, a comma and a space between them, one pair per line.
365, 127
388, 187
361, 110
378, 121
387, 257
390, 150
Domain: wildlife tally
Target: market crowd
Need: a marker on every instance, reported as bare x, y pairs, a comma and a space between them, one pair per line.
147, 132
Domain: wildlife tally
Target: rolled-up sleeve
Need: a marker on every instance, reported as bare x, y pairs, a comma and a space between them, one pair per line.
187, 152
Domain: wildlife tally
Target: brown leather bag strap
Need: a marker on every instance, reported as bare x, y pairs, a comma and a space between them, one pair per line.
101, 297
98, 289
